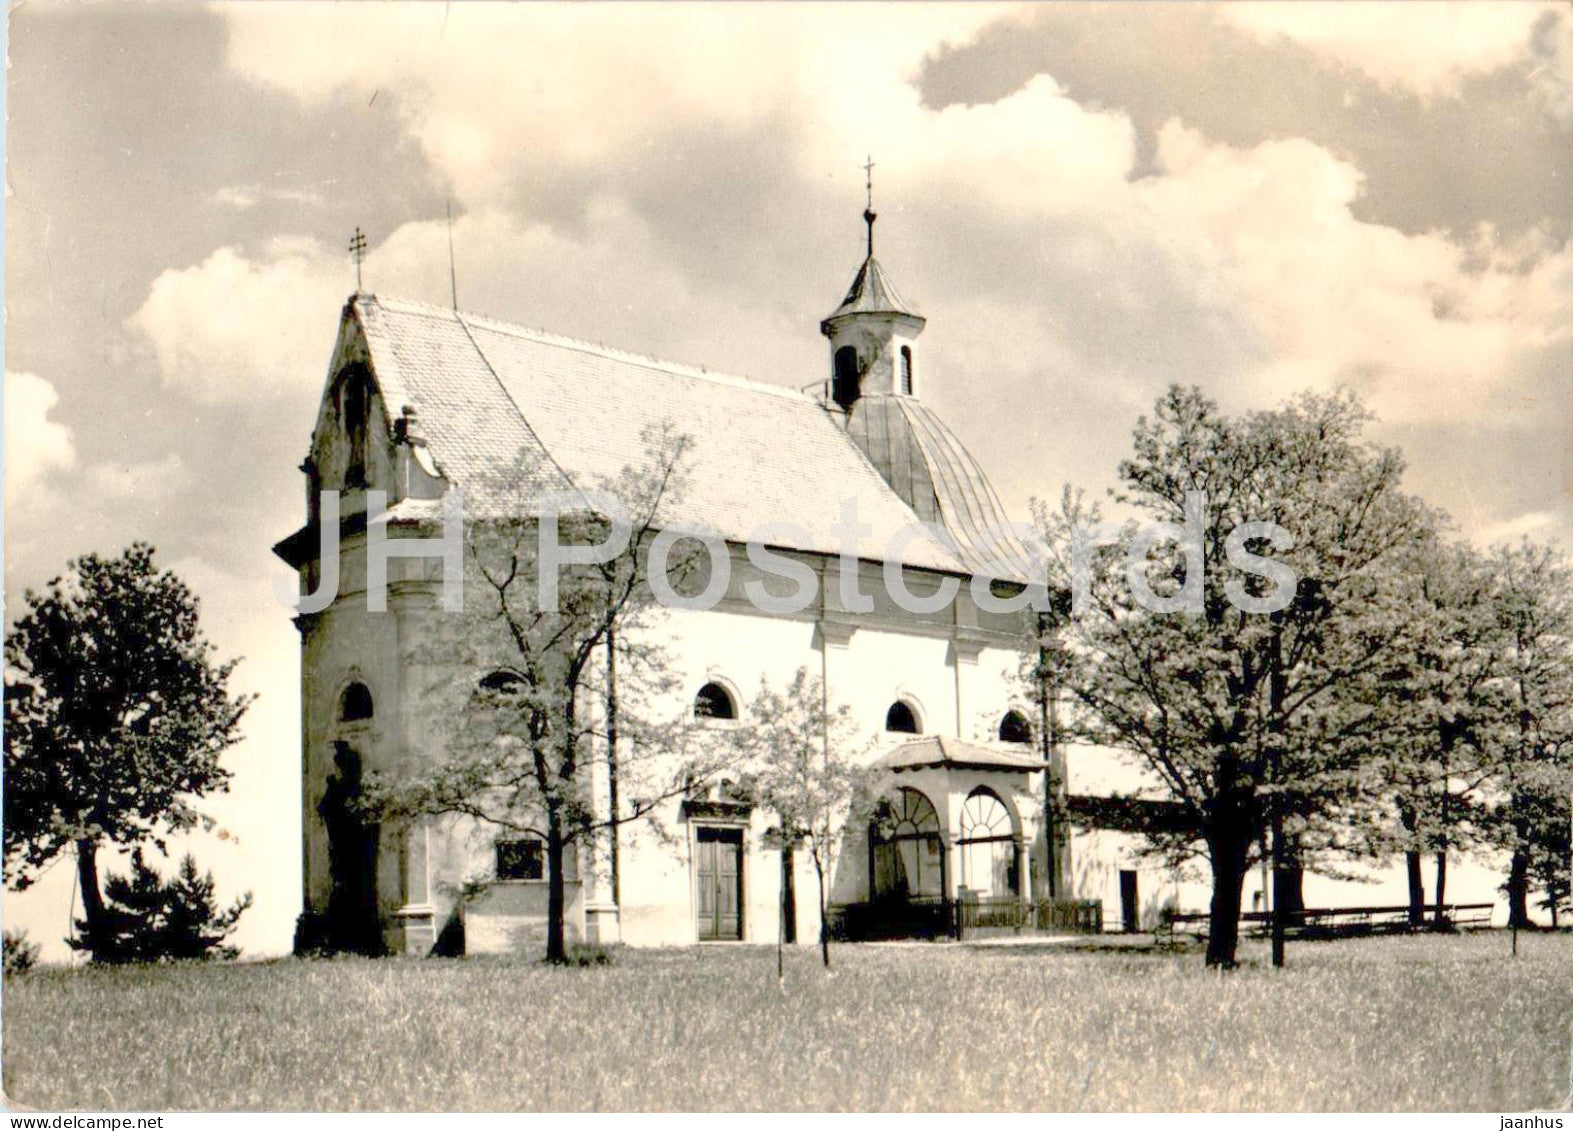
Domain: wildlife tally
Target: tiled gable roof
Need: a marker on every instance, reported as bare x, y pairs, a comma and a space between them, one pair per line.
485, 390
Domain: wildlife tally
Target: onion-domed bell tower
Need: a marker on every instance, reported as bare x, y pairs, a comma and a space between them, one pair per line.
873, 333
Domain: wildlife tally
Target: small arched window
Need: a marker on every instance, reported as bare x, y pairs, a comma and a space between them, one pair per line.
355, 704
1014, 727
845, 388
714, 702
901, 719
906, 370
502, 683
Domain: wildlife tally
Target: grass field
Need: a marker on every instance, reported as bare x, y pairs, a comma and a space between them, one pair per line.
1398, 1023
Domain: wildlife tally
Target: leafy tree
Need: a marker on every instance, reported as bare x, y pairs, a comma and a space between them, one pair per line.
1436, 713
1544, 860
805, 766
534, 687
116, 715
150, 919
1535, 610
1241, 718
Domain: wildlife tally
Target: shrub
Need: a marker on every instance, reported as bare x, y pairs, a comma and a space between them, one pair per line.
311, 935
20, 955
585, 955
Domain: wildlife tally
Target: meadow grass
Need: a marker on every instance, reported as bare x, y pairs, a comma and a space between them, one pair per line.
1416, 1023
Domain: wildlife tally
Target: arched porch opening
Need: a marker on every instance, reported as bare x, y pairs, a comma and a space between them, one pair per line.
906, 849
989, 847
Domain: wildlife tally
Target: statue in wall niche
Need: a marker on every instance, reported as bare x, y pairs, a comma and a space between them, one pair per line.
352, 920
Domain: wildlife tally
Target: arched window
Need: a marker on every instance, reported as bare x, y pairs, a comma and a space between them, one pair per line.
844, 389
714, 702
355, 704
906, 370
502, 682
988, 846
1014, 727
902, 719
499, 711
907, 851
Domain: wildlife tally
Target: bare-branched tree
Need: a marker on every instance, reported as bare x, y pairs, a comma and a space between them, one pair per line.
533, 684
807, 767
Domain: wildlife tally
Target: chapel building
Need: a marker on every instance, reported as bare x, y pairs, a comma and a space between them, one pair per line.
420, 400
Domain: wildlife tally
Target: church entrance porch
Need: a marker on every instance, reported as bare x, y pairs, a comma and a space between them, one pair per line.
949, 849
907, 873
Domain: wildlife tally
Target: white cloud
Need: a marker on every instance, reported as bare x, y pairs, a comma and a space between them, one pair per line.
242, 198
236, 328
35, 444
1424, 46
233, 328
145, 481
1261, 241
1254, 254
575, 85
1534, 524
1429, 329
236, 197
1552, 76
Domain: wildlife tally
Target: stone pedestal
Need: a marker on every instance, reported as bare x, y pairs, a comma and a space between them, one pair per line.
416, 928
601, 924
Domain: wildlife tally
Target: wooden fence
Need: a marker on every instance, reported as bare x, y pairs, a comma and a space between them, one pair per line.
1337, 922
969, 916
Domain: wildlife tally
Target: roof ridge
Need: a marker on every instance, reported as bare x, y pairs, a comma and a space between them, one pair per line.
525, 420
611, 353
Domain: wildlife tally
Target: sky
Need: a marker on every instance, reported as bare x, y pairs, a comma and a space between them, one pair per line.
1088, 202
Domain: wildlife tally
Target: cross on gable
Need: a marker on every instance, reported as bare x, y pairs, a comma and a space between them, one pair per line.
358, 250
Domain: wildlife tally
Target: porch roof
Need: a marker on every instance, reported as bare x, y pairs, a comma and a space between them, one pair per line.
952, 753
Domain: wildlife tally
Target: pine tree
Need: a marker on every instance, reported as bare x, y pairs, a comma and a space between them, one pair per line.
150, 919
20, 954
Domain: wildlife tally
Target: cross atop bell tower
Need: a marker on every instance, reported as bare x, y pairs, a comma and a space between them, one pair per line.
869, 215
873, 333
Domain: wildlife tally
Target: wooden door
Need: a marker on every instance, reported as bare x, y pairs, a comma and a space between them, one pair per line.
718, 872
1130, 903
